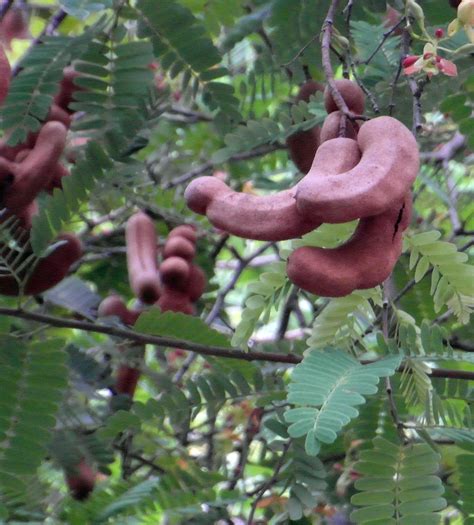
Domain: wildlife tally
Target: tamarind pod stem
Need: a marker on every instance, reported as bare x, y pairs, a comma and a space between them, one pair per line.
179, 247
35, 172
114, 305
175, 273
387, 169
352, 94
185, 230
5, 74
266, 218
332, 126
364, 261
127, 380
81, 483
142, 255
302, 147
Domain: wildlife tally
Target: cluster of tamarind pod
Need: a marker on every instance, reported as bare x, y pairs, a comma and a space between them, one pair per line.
26, 170
366, 174
174, 285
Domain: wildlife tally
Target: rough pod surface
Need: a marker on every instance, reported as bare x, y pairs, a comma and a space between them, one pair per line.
364, 261
388, 166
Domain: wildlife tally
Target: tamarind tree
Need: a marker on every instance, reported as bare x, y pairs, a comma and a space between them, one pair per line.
236, 279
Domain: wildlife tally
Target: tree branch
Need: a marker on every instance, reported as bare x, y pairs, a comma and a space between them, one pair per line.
216, 351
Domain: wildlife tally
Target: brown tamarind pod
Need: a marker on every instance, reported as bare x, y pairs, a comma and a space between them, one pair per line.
303, 145
332, 127
179, 247
81, 482
114, 305
273, 217
25, 180
142, 252
352, 94
364, 261
14, 24
54, 268
5, 74
127, 380
196, 283
266, 218
175, 301
67, 88
49, 271
185, 230
388, 166
175, 272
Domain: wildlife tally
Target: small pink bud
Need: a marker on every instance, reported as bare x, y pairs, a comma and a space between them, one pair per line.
439, 33
409, 60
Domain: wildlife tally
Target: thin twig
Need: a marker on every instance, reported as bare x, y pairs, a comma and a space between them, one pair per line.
386, 35
327, 31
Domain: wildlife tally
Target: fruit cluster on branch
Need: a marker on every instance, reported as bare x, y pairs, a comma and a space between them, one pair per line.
356, 172
26, 170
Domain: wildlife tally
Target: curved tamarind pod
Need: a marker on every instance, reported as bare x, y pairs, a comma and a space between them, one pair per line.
54, 268
81, 483
352, 94
28, 178
387, 169
142, 253
127, 380
179, 247
114, 305
67, 89
175, 272
264, 218
302, 146
185, 230
364, 261
174, 301
49, 271
5, 74
332, 126
196, 283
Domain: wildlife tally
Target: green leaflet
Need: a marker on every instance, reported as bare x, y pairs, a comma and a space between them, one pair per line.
326, 386
183, 47
34, 377
399, 485
452, 279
